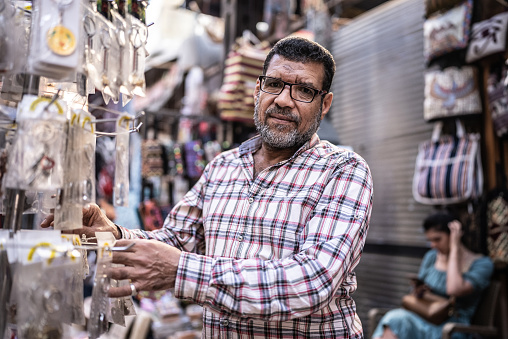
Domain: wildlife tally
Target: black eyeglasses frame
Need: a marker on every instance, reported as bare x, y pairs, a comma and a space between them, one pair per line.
316, 91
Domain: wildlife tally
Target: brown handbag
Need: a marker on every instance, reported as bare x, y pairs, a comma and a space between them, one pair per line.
431, 307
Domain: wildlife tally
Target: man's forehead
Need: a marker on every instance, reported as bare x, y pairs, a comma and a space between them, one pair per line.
283, 65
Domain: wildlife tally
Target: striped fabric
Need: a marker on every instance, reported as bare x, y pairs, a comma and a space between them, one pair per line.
448, 171
273, 256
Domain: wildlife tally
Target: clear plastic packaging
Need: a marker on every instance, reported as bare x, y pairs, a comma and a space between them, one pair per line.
87, 159
7, 41
138, 36
92, 44
37, 156
121, 78
49, 296
98, 322
118, 307
55, 45
69, 212
121, 189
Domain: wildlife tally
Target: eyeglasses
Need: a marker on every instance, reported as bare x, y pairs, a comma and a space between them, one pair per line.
298, 92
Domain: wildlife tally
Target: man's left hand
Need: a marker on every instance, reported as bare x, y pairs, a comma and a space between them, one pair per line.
150, 265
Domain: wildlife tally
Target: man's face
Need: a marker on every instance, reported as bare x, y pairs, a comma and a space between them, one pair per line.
282, 121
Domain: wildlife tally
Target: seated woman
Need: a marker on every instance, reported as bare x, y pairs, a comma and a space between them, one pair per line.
448, 269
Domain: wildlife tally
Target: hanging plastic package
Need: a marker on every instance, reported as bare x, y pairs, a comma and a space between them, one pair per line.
7, 42
138, 36
69, 212
98, 323
92, 44
49, 294
113, 69
121, 78
118, 307
5, 287
87, 159
55, 47
103, 60
121, 189
37, 155
19, 35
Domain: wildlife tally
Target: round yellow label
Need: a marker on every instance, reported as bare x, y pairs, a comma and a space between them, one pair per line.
61, 40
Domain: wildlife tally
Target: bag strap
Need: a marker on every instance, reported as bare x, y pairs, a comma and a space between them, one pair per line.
438, 127
436, 132
460, 130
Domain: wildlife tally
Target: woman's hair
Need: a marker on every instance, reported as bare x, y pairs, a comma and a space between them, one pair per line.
303, 50
438, 222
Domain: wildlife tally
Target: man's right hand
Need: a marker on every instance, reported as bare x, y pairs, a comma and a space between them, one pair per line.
93, 221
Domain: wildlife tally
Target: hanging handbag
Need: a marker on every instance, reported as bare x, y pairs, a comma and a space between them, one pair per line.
487, 37
447, 31
448, 168
494, 214
497, 225
497, 96
451, 92
430, 306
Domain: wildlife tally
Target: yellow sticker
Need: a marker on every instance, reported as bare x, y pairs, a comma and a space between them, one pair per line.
42, 244
87, 119
37, 101
61, 40
124, 119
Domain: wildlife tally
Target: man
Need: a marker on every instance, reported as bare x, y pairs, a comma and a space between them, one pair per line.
268, 238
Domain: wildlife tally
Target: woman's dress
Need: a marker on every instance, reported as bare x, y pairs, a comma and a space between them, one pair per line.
407, 325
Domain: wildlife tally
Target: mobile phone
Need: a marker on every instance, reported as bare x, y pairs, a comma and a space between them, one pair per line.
417, 281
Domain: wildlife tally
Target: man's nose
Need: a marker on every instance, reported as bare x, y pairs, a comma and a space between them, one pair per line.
285, 96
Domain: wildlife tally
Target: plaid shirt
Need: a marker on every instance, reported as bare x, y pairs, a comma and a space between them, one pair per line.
273, 256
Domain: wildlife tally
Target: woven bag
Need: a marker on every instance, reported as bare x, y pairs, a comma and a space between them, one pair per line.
487, 37
451, 92
497, 95
495, 213
448, 168
445, 32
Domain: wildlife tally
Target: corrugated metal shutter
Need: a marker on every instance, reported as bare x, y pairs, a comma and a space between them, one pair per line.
378, 110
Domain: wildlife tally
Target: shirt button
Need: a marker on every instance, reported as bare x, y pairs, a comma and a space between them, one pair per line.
251, 200
240, 237
224, 322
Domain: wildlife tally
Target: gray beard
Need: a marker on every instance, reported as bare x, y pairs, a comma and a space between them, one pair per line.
275, 137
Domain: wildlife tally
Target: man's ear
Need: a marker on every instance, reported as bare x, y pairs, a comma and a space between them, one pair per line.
256, 89
327, 103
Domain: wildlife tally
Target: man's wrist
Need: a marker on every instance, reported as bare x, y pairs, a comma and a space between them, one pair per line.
119, 232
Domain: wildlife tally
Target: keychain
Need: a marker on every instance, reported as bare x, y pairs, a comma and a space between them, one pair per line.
138, 36
59, 38
105, 36
121, 189
90, 30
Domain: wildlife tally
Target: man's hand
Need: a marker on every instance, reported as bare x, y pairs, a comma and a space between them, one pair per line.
150, 265
93, 221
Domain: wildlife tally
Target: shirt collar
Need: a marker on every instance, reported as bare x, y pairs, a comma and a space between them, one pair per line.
254, 143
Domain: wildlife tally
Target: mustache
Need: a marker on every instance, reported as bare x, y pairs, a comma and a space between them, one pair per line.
286, 112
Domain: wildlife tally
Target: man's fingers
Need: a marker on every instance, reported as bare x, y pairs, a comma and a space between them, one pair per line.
121, 273
123, 291
48, 221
